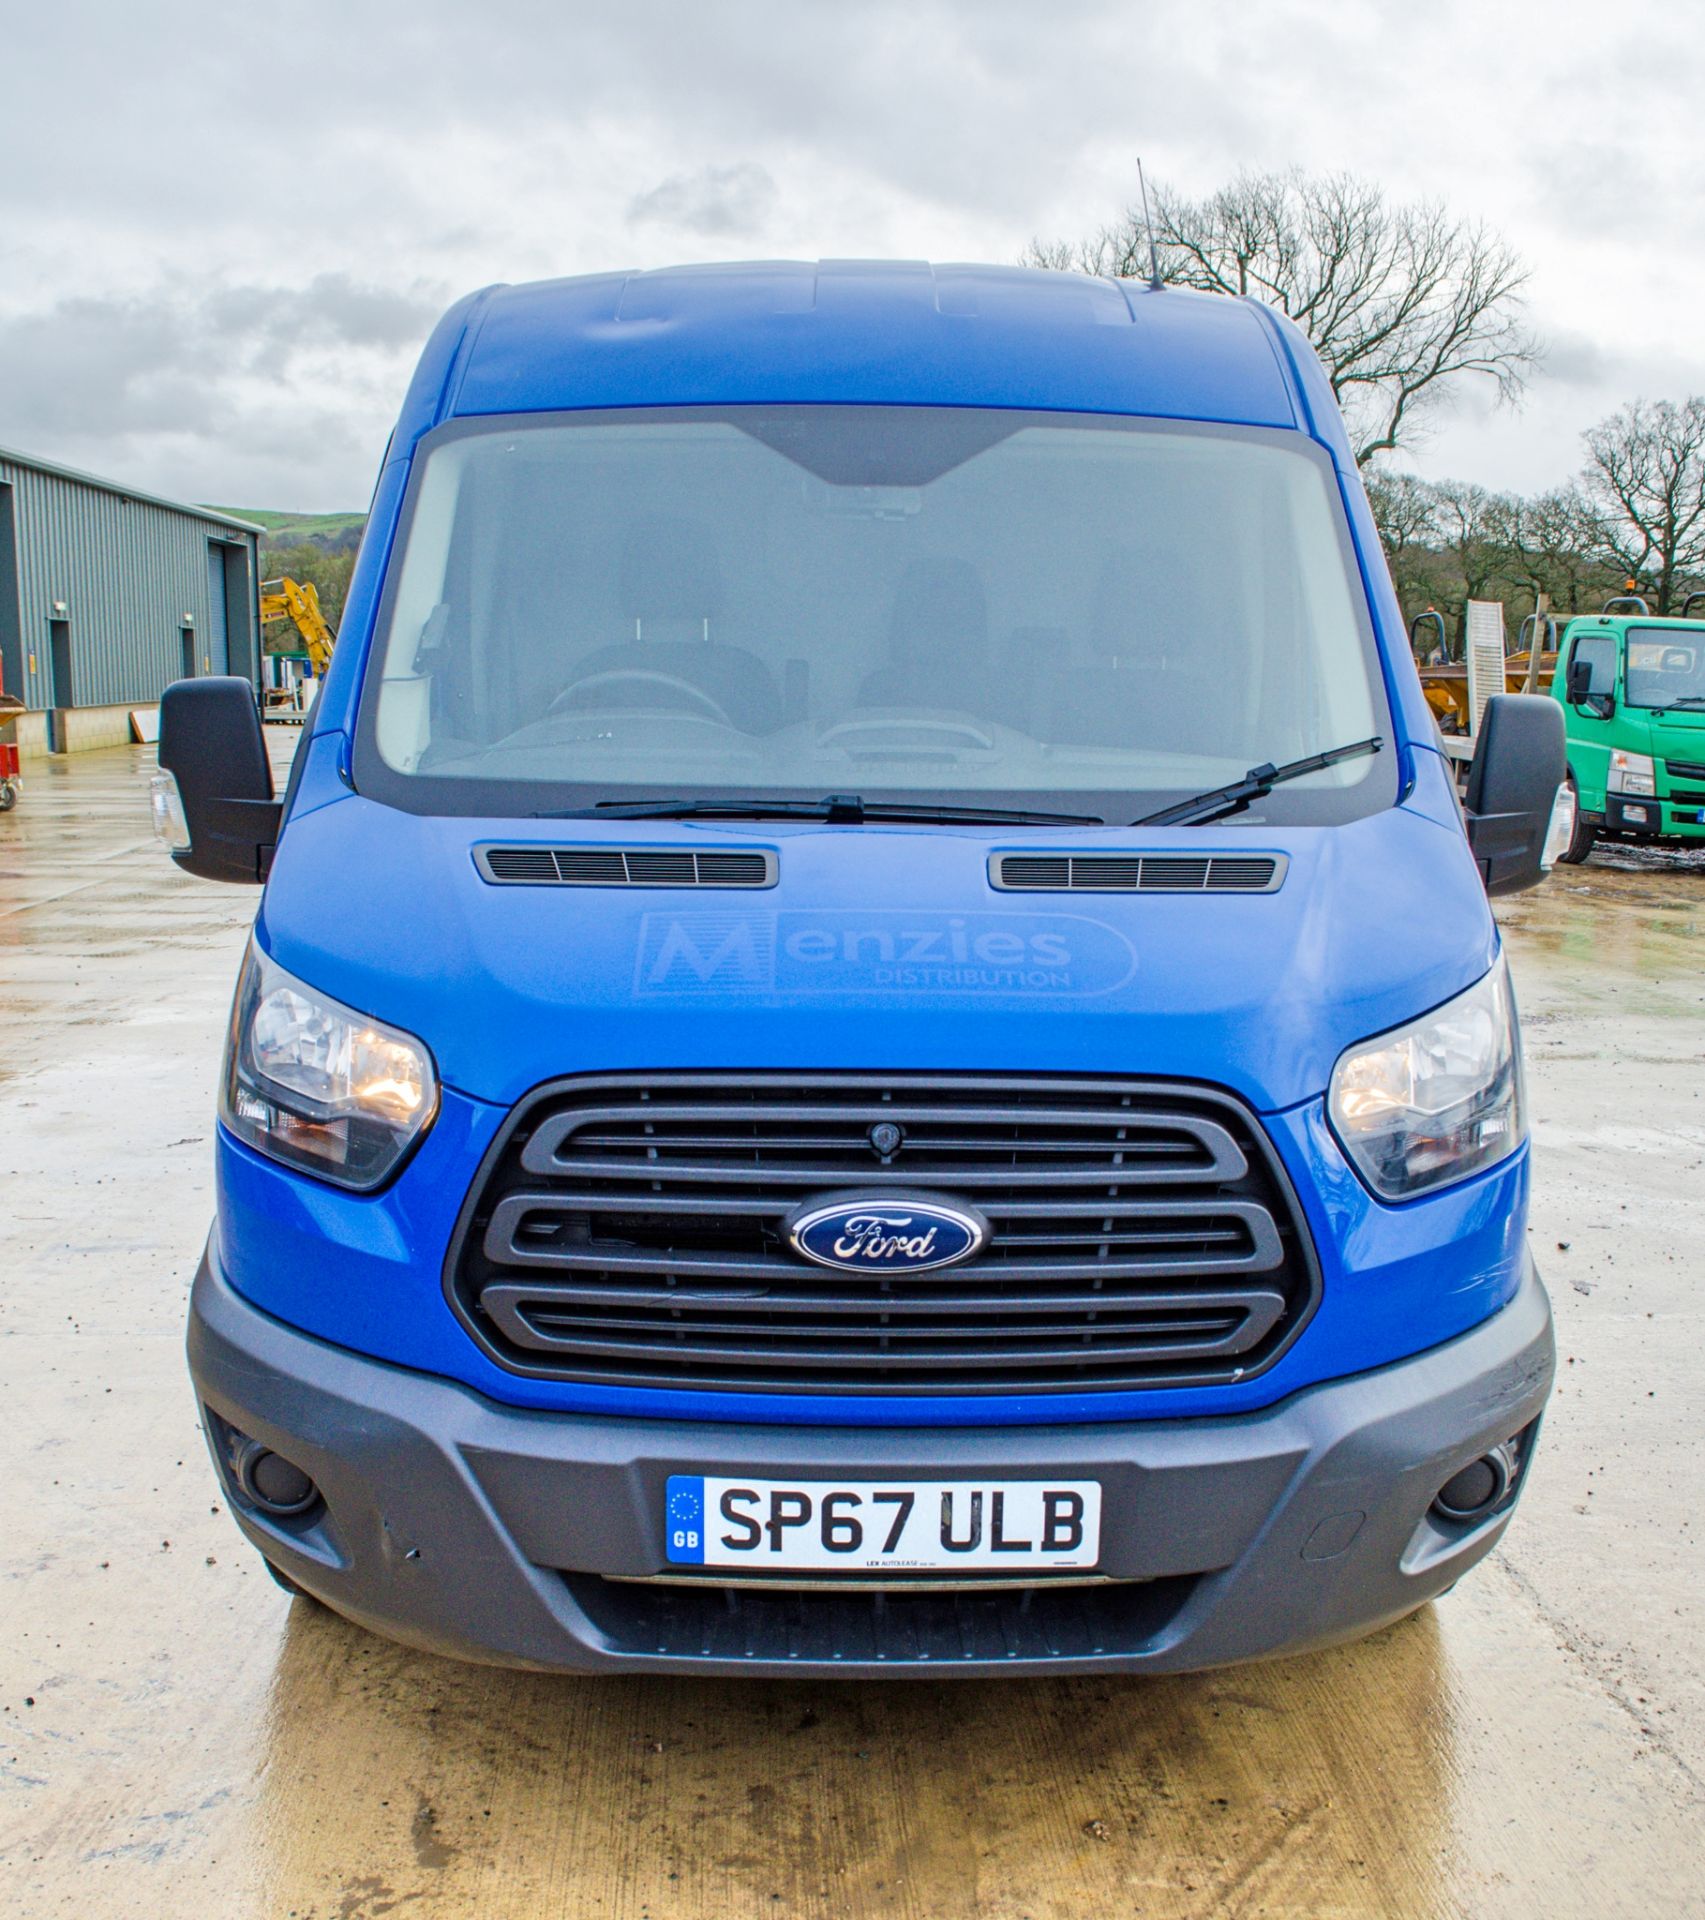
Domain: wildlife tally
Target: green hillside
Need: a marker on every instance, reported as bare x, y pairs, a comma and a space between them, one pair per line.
329, 530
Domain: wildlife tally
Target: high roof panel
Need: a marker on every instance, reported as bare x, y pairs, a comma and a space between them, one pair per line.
895, 332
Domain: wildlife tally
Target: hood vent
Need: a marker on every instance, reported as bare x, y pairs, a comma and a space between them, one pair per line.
1137, 872
607, 866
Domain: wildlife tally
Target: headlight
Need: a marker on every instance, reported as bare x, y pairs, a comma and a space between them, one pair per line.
313, 1083
1436, 1100
1631, 773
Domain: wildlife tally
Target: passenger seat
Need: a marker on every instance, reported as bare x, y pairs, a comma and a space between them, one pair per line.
1145, 675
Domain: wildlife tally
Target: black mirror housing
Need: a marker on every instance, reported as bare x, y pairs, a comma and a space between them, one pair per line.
1580, 682
1520, 760
212, 744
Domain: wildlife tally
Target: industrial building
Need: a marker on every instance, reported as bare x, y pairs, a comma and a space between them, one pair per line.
107, 594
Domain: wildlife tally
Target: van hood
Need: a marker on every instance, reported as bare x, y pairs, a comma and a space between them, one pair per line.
510, 985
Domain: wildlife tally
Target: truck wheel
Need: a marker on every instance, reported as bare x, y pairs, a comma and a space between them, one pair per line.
1583, 839
8, 796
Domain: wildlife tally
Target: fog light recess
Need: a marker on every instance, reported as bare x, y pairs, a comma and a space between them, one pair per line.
1475, 1490
276, 1486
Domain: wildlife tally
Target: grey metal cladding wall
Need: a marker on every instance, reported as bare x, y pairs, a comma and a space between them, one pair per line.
128, 571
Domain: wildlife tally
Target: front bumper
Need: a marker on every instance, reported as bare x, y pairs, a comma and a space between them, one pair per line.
1651, 818
533, 1539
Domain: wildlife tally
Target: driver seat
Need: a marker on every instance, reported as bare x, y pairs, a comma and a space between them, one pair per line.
671, 592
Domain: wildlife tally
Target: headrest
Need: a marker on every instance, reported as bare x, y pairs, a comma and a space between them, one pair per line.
670, 571
1131, 582
938, 603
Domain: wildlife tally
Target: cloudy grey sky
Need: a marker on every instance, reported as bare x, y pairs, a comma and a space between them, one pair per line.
224, 233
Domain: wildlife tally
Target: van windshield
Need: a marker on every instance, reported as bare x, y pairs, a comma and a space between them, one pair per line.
949, 605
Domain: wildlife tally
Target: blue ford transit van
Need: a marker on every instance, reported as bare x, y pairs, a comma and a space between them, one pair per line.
874, 1041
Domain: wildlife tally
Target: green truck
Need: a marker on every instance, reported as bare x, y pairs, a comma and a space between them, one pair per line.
1633, 693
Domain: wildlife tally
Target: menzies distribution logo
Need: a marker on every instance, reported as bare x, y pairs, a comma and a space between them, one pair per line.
995, 955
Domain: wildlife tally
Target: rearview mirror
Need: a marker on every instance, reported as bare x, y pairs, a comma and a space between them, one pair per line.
212, 744
1520, 761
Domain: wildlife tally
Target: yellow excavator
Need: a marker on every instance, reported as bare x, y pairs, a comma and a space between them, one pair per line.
297, 601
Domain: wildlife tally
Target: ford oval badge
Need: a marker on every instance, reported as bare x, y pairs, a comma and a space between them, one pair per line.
885, 1233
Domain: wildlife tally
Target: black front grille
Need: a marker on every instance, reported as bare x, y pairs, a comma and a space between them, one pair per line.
735, 1625
631, 1231
1685, 769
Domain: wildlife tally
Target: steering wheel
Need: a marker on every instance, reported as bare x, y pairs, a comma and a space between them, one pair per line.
696, 696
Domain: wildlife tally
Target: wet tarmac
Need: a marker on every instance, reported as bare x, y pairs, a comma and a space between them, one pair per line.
178, 1738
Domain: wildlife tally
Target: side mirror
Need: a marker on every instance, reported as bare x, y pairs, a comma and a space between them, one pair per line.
212, 744
1520, 761
1591, 677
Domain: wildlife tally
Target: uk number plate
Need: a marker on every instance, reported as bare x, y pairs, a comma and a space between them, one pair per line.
863, 1525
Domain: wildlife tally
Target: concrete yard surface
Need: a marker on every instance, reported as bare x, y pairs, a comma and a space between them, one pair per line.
178, 1738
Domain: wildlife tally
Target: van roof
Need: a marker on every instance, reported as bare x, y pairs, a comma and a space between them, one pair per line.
858, 331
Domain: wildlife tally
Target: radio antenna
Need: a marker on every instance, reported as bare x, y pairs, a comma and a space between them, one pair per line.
1148, 224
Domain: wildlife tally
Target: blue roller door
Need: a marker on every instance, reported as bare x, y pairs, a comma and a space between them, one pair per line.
218, 632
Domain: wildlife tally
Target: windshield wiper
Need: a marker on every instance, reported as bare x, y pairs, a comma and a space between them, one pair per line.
838, 809
1689, 700
1256, 784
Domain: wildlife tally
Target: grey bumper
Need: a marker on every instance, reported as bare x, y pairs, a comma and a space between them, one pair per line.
532, 1539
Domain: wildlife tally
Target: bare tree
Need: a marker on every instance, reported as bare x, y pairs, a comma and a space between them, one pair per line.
1401, 302
1476, 528
1447, 541
1646, 474
1558, 540
1405, 509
